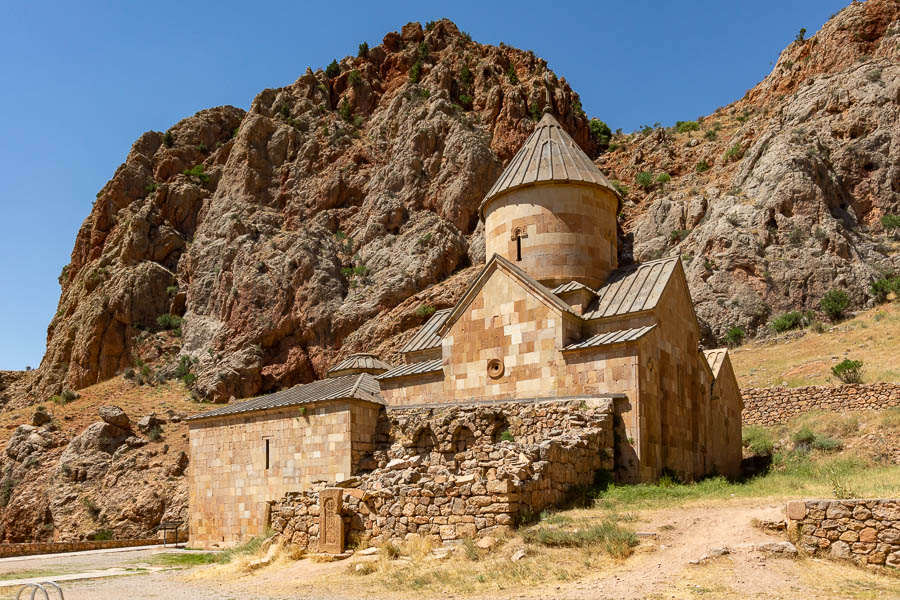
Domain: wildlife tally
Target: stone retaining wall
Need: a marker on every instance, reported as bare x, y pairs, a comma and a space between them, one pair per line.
29, 548
769, 406
447, 493
864, 531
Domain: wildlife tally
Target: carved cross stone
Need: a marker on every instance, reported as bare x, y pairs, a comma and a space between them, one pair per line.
331, 525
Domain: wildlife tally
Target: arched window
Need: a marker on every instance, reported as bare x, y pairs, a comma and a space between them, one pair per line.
500, 431
463, 439
424, 442
517, 234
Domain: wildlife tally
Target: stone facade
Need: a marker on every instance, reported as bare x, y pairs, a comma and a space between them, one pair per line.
550, 318
240, 463
558, 233
769, 406
514, 460
866, 532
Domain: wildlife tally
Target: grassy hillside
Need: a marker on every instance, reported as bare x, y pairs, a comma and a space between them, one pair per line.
804, 357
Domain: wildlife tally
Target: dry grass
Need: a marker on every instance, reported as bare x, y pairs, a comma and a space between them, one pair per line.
559, 548
872, 336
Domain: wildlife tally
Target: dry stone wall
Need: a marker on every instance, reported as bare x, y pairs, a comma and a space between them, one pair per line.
864, 531
769, 406
451, 473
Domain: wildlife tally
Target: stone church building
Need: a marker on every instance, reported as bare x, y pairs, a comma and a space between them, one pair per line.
550, 318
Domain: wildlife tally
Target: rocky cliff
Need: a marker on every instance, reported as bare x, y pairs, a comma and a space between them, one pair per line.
340, 211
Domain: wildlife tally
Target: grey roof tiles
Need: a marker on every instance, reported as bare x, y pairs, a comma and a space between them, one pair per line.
419, 368
361, 386
427, 336
360, 361
549, 154
613, 337
632, 289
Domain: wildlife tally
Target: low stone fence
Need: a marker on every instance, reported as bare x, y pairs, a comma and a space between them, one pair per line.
445, 493
866, 532
29, 548
769, 406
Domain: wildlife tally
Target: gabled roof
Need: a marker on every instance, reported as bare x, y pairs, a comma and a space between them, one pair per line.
427, 337
359, 362
548, 155
565, 288
419, 368
361, 386
613, 337
633, 289
715, 358
498, 262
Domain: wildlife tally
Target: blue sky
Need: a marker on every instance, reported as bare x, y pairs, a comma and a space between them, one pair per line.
83, 80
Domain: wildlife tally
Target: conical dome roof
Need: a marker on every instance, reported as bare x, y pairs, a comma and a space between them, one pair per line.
548, 155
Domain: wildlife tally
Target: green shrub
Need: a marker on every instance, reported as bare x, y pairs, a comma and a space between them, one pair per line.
734, 337
154, 434
429, 25
891, 224
608, 536
363, 50
621, 189
801, 35
333, 69
426, 310
169, 322
848, 371
91, 507
734, 153
881, 288
685, 126
197, 171
834, 303
644, 179
600, 133
702, 166
711, 134
169, 139
506, 436
663, 178
678, 235
758, 440
129, 373
511, 75
786, 321
827, 444
354, 78
344, 110
535, 111
103, 535
415, 71
804, 436
466, 77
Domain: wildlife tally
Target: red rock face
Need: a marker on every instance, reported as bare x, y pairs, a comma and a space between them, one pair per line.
330, 207
778, 197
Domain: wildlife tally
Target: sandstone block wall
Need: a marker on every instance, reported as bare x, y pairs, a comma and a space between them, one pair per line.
864, 531
32, 548
769, 406
456, 488
567, 232
230, 482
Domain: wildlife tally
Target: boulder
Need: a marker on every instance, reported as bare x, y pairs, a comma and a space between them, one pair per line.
115, 416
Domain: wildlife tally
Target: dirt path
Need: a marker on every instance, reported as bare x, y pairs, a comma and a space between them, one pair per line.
666, 567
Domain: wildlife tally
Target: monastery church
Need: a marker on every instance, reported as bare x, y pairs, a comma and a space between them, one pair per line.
550, 317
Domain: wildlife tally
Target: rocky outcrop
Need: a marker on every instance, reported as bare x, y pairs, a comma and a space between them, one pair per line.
104, 480
778, 198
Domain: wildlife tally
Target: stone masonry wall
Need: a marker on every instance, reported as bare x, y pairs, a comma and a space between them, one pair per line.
463, 483
768, 406
864, 531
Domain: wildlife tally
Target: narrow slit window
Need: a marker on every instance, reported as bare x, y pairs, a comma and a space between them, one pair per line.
267, 454
518, 247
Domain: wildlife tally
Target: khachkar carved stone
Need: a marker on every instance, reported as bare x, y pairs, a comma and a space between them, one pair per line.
331, 524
